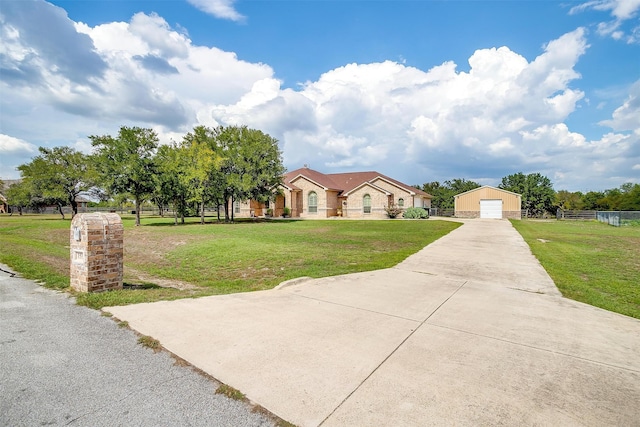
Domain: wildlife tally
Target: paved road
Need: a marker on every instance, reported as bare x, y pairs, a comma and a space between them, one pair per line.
61, 364
469, 331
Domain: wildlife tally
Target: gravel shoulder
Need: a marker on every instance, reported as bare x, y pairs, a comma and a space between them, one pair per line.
63, 364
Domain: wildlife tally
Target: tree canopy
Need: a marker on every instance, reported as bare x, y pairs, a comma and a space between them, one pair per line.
443, 194
57, 176
19, 195
624, 198
252, 165
126, 163
537, 191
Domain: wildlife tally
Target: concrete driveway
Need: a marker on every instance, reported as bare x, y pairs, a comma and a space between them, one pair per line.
468, 331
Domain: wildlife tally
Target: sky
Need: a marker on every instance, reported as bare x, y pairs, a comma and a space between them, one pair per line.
418, 90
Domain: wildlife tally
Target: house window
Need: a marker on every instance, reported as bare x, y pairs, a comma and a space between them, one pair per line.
313, 202
366, 202
236, 206
400, 203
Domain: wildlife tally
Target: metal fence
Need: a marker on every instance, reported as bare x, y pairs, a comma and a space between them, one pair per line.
618, 218
615, 218
441, 212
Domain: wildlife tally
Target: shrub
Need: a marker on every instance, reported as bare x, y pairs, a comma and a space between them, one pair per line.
416, 213
393, 211
286, 212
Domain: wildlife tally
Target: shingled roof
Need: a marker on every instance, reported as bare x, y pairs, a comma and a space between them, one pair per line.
344, 182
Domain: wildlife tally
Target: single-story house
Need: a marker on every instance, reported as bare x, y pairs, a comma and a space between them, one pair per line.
488, 202
312, 194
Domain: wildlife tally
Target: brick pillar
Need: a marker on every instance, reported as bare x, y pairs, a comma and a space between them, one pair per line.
96, 242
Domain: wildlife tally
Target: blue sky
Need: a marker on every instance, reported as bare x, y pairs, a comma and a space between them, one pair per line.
418, 90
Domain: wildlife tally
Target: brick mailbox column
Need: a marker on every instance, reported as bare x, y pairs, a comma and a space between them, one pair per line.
96, 252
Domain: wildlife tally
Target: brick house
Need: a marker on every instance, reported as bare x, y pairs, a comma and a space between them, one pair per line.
312, 194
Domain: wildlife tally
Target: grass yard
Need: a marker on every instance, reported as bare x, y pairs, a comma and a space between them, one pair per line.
163, 261
589, 261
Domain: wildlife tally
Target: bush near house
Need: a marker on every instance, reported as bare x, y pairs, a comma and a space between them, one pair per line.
393, 211
416, 213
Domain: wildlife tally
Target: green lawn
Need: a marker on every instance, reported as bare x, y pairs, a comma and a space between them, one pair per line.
590, 262
217, 258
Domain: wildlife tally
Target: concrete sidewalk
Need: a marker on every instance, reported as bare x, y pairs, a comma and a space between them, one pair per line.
470, 330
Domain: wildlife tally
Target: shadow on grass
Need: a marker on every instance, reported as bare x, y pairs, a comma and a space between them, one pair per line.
213, 221
140, 286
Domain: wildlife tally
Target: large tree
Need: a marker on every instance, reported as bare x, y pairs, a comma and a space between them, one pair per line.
58, 175
201, 164
536, 190
126, 162
624, 198
568, 200
443, 194
18, 195
169, 179
252, 165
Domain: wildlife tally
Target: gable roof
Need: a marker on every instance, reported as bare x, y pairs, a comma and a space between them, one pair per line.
367, 184
314, 176
347, 182
488, 186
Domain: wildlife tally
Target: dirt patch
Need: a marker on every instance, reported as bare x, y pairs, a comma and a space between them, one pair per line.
60, 265
135, 275
151, 247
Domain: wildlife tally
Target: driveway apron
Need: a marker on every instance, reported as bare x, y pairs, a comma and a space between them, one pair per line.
469, 330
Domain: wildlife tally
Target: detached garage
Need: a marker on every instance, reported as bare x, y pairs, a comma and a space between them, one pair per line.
488, 202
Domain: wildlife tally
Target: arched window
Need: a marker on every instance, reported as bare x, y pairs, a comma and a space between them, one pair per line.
366, 203
400, 203
236, 206
313, 202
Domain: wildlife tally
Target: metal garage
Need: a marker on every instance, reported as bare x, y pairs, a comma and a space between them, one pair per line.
488, 202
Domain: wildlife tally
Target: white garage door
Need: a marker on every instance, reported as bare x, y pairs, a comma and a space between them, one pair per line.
491, 209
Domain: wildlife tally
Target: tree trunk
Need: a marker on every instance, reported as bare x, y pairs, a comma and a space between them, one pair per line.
74, 206
202, 211
137, 211
60, 210
175, 212
226, 208
233, 209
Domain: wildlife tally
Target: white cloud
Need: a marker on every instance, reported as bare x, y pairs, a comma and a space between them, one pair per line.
558, 133
477, 114
9, 144
218, 8
621, 11
627, 116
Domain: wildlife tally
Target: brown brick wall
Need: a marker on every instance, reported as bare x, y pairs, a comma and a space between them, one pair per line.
97, 257
476, 214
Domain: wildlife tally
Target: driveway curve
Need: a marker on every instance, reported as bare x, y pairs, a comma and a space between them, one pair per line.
469, 330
